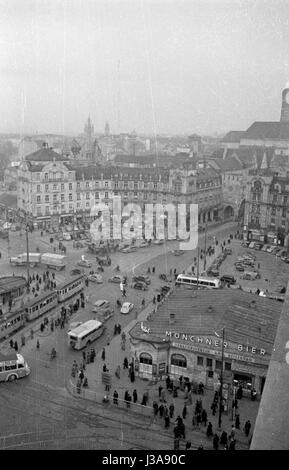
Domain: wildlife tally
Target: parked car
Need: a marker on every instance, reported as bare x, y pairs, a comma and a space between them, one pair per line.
141, 278
165, 289
281, 253
270, 249
97, 278
116, 279
76, 272
126, 308
239, 267
228, 251
228, 279
251, 245
84, 263
158, 242
264, 247
143, 244
250, 275
104, 315
258, 246
139, 285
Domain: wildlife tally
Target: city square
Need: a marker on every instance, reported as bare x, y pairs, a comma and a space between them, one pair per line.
144, 227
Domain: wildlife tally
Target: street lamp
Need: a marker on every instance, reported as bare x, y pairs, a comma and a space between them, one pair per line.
221, 377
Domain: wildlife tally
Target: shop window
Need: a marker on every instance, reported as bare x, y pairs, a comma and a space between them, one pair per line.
179, 360
228, 365
145, 358
209, 362
200, 361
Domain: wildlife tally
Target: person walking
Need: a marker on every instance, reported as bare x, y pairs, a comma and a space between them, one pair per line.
161, 410
115, 397
163, 395
209, 430
38, 344
237, 421
171, 410
224, 438
233, 432
16, 346
134, 394
125, 363
184, 412
103, 354
247, 428
216, 442
167, 419
204, 417
160, 391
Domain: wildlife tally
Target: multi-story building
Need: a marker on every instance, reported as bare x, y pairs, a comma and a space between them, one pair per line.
51, 185
266, 207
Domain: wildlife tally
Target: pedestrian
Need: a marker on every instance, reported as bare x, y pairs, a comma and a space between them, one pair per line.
247, 427
125, 363
216, 442
209, 429
224, 438
103, 354
115, 397
171, 410
132, 376
167, 419
16, 346
232, 444
88, 357
84, 355
184, 412
233, 432
237, 421
204, 417
153, 270
38, 344
163, 395
213, 408
155, 408
161, 410
134, 394
160, 391
154, 299
104, 368
188, 445
239, 393
168, 382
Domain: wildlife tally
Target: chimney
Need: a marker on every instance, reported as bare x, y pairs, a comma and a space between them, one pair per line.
172, 319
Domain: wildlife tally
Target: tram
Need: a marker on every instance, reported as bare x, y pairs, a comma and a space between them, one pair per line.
40, 305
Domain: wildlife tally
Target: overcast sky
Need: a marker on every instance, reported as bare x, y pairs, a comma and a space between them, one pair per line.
156, 66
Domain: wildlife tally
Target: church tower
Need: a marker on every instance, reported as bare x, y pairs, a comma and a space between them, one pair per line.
89, 129
285, 105
106, 129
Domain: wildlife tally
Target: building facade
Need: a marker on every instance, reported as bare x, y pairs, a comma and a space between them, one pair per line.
184, 338
267, 207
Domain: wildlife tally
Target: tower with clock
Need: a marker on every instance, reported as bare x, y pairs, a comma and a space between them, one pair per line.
285, 105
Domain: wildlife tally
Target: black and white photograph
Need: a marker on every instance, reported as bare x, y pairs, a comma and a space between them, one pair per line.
144, 227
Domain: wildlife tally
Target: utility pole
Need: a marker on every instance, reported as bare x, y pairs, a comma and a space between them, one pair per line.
221, 382
198, 267
205, 259
27, 263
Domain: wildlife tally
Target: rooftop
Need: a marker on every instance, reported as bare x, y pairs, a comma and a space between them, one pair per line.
45, 155
7, 283
268, 130
247, 318
233, 137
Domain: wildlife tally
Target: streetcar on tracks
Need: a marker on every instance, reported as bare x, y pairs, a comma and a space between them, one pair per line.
13, 366
40, 305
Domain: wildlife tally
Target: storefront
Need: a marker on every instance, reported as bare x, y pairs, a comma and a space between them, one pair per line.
161, 346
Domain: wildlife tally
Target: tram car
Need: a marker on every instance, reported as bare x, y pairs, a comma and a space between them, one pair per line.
40, 305
11, 323
69, 288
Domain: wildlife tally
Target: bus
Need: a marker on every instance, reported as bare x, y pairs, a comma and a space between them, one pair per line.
202, 282
13, 366
84, 334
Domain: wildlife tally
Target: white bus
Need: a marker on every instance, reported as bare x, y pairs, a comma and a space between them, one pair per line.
84, 334
13, 366
202, 282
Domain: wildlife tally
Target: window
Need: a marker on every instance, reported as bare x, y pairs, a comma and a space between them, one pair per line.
54, 197
78, 197
210, 374
38, 199
47, 188
135, 195
116, 184
47, 198
200, 361
87, 196
70, 197
179, 360
87, 184
47, 210
69, 186
78, 185
87, 204
96, 195
38, 188
106, 195
46, 176
135, 186
219, 365
145, 358
227, 365
209, 362
125, 185
106, 184
54, 186
62, 197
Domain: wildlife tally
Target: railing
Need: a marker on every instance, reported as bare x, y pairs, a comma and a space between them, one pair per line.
98, 397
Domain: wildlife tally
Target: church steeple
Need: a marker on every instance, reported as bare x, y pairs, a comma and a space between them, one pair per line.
89, 129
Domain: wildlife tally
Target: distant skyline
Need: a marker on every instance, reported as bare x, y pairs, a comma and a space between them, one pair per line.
156, 66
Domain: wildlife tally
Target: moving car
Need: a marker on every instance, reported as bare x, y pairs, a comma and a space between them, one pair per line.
139, 285
95, 278
100, 305
178, 252
141, 278
129, 249
126, 308
228, 279
116, 279
84, 263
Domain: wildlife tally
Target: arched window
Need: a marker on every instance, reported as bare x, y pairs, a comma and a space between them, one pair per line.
179, 360
145, 358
